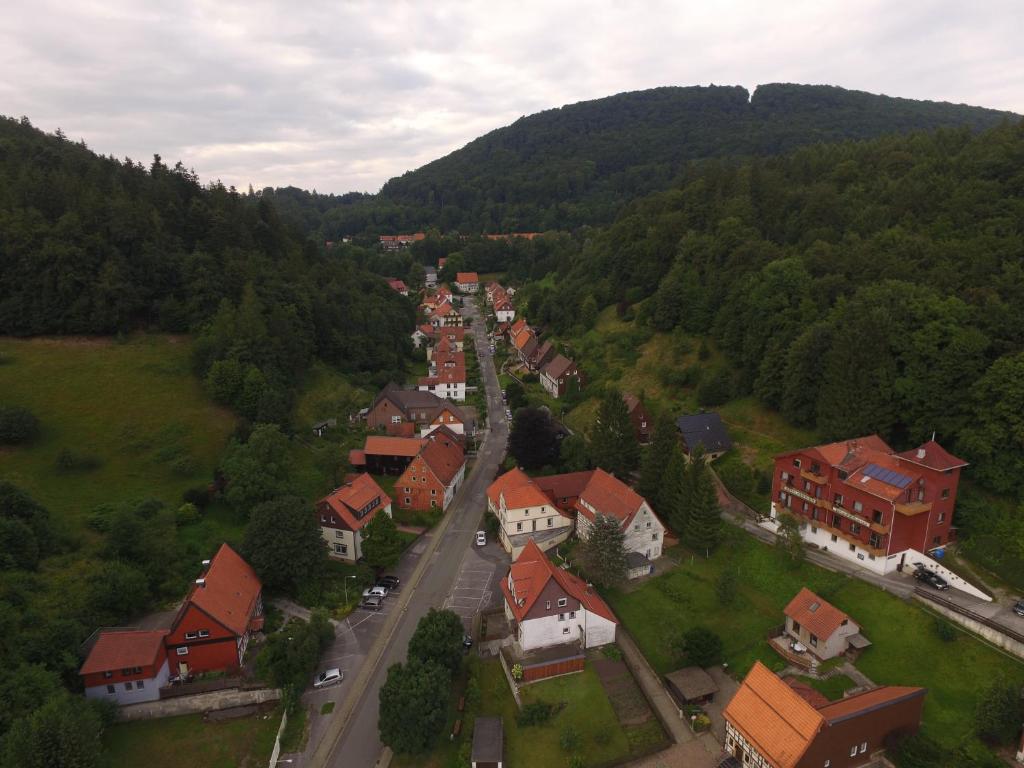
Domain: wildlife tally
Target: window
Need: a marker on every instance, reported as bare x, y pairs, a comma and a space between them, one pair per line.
875, 540
339, 534
863, 747
138, 685
341, 549
562, 602
796, 463
181, 650
853, 547
785, 476
551, 522
941, 518
396, 419
838, 499
854, 528
807, 485
858, 507
843, 474
108, 675
433, 491
408, 490
433, 504
654, 537
853, 751
814, 640
202, 633
547, 605
323, 518
565, 630
814, 529
796, 627
937, 541
834, 538
828, 763
572, 614
561, 617
407, 499
190, 635
648, 523
877, 517
110, 689
519, 527
127, 686
837, 522
815, 467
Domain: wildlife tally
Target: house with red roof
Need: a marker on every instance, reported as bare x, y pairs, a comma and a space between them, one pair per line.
446, 315
395, 407
863, 501
526, 513
397, 285
820, 627
548, 606
504, 312
467, 282
126, 666
768, 724
435, 474
223, 609
344, 513
397, 242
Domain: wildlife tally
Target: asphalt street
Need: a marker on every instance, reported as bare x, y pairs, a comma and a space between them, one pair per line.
358, 744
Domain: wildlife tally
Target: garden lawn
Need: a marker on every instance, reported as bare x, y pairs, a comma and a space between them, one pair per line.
905, 650
242, 743
135, 406
832, 688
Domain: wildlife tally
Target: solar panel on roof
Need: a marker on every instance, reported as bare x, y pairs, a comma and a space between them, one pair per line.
887, 476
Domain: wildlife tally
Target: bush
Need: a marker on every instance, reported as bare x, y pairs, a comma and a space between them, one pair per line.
699, 647
944, 630
534, 713
17, 425
726, 584
186, 514
492, 526
184, 466
569, 739
611, 651
199, 496
70, 461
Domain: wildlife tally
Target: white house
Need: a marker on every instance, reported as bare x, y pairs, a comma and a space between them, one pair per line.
644, 532
344, 512
525, 512
126, 666
421, 336
548, 606
504, 311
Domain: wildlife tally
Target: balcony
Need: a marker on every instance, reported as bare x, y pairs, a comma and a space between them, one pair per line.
913, 508
814, 477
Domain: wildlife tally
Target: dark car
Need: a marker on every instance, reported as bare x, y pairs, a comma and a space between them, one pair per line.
391, 582
1018, 608
931, 578
467, 642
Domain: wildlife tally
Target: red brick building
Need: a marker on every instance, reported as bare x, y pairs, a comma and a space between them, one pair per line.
212, 628
862, 500
639, 417
434, 475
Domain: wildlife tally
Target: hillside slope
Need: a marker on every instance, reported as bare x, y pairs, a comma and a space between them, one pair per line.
578, 164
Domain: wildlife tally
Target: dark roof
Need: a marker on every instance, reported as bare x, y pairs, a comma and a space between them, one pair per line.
488, 740
558, 366
692, 683
414, 399
704, 429
636, 560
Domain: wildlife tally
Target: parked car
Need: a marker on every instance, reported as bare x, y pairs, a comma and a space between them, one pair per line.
467, 642
931, 578
504, 394
481, 538
328, 677
376, 591
1018, 608
508, 414
372, 603
389, 581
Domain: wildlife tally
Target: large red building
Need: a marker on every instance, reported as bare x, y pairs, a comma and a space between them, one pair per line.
862, 500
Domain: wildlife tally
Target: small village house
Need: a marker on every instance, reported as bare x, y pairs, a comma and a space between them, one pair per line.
344, 513
435, 475
467, 282
558, 375
126, 666
820, 627
395, 406
706, 431
526, 512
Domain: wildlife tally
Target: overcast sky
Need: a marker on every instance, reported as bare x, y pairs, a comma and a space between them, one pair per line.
341, 96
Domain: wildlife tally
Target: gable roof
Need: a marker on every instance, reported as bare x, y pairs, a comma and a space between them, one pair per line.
632, 402
523, 496
773, 717
568, 485
610, 497
513, 478
522, 338
706, 430
230, 590
557, 367
123, 649
443, 455
868, 701
407, 400
817, 615
379, 445
351, 498
933, 456
530, 574
467, 277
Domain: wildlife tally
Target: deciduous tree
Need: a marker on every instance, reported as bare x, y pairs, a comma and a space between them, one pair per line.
382, 546
284, 545
533, 442
259, 469
438, 640
413, 705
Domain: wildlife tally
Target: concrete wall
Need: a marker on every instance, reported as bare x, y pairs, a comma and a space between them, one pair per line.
201, 702
991, 634
955, 582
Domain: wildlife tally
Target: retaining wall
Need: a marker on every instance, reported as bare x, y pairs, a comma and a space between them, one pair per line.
200, 702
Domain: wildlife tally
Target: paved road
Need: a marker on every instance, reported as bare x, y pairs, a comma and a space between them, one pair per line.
358, 745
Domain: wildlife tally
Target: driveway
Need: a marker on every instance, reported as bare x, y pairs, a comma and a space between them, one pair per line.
476, 586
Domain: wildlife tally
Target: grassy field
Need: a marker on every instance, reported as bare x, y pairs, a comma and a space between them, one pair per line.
831, 688
905, 650
243, 743
133, 406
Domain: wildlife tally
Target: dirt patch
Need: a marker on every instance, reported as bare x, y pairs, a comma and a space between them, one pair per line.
627, 700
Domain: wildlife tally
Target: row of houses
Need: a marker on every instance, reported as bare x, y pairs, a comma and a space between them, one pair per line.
443, 334
557, 373
209, 632
547, 510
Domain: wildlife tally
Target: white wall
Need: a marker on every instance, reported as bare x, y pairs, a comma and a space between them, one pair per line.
640, 537
505, 315
548, 630
149, 692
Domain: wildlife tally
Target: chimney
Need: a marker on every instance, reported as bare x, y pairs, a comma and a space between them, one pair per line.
201, 583
206, 564
920, 453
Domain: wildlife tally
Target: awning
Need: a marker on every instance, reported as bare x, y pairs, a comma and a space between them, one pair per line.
858, 641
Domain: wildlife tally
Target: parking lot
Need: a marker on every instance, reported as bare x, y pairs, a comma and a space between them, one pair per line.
477, 587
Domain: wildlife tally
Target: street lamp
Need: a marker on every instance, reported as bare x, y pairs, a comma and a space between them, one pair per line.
346, 587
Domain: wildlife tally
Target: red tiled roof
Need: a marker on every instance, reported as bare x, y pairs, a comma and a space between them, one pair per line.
357, 457
513, 478
523, 338
610, 497
532, 571
932, 455
523, 496
773, 717
820, 617
376, 445
116, 650
873, 699
404, 429
808, 694
568, 485
444, 456
467, 277
353, 497
230, 590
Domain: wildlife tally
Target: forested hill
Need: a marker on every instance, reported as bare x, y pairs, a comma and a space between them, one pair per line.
856, 287
93, 245
577, 165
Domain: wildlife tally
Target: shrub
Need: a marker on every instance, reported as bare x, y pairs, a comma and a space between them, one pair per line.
184, 466
944, 630
612, 651
715, 388
186, 514
17, 425
725, 585
70, 461
199, 496
700, 647
534, 713
569, 739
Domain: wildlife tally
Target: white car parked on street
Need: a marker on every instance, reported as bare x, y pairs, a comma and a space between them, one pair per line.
328, 677
481, 538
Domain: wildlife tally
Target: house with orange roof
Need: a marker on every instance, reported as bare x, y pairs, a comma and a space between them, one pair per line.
864, 502
526, 513
504, 312
770, 725
548, 606
345, 511
223, 609
126, 666
397, 242
434, 475
386, 455
398, 285
820, 627
467, 282
446, 315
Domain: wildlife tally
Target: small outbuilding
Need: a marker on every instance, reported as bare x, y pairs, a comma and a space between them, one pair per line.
705, 430
637, 565
488, 743
690, 685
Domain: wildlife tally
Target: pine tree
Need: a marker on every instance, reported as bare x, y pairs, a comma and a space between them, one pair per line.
655, 461
603, 552
613, 443
672, 495
703, 516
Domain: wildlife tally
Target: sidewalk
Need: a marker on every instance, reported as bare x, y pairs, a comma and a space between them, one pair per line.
649, 681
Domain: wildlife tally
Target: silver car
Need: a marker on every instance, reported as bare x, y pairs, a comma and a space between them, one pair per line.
328, 677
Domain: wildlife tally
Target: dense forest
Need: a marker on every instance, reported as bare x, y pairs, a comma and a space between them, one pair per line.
856, 287
93, 245
577, 165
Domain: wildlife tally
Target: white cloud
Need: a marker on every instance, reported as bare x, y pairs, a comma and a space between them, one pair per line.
343, 95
